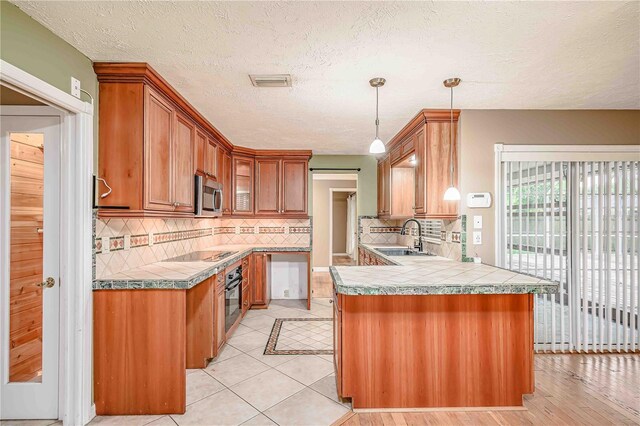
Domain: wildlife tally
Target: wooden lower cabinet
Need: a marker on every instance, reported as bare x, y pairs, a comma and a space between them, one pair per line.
469, 350
219, 312
261, 291
368, 258
139, 340
337, 341
201, 344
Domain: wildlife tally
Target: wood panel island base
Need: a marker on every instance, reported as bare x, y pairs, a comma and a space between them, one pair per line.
425, 351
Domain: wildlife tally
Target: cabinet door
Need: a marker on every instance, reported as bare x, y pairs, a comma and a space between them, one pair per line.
226, 183
260, 282
220, 315
242, 185
200, 323
200, 149
386, 185
210, 158
294, 187
421, 163
337, 343
159, 122
267, 186
380, 189
183, 186
438, 172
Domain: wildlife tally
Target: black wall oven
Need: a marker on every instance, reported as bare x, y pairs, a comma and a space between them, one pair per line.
233, 296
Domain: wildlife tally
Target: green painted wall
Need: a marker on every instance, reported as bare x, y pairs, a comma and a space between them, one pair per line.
30, 46
367, 178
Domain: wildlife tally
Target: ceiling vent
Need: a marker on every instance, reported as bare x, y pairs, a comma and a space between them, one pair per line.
270, 80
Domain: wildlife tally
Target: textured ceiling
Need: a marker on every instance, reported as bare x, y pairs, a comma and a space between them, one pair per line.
538, 55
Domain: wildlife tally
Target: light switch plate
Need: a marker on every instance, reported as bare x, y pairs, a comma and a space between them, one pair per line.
75, 87
477, 238
477, 222
105, 245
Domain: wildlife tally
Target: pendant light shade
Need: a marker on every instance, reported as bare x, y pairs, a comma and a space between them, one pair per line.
452, 193
377, 146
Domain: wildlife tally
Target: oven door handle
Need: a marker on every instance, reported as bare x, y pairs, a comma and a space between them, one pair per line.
233, 284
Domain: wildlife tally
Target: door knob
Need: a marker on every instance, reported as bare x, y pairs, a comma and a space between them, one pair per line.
48, 283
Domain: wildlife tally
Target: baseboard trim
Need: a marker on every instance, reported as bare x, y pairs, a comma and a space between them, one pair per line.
414, 410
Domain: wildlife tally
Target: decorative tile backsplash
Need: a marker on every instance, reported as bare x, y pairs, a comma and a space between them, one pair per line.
377, 231
123, 244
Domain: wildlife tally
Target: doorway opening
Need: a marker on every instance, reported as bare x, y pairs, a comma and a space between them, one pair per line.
344, 227
46, 167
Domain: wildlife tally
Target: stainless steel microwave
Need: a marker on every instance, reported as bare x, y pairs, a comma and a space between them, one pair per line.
208, 197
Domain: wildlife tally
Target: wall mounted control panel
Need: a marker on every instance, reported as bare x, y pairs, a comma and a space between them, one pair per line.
477, 200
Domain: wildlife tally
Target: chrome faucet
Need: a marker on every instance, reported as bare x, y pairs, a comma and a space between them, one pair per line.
403, 231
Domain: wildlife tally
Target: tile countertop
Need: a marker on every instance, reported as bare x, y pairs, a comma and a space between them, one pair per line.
183, 275
411, 275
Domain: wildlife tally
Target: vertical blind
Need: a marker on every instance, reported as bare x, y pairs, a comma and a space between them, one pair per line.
577, 223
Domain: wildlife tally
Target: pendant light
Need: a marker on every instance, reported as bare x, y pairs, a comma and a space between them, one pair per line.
377, 146
452, 193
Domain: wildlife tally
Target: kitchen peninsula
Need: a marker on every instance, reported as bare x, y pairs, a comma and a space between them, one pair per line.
425, 332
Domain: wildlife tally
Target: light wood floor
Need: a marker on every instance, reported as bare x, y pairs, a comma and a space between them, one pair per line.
570, 390
343, 260
321, 284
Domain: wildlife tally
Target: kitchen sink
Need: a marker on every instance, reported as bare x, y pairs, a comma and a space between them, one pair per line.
401, 252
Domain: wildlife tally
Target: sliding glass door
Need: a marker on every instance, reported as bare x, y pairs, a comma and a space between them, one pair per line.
577, 223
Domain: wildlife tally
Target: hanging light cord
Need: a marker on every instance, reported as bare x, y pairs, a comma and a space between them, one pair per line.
377, 121
451, 139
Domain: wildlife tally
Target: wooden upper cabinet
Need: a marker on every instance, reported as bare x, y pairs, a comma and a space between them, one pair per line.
226, 183
386, 185
183, 183
200, 149
268, 186
281, 186
294, 187
438, 169
206, 155
242, 186
427, 136
380, 188
211, 159
152, 142
420, 142
159, 122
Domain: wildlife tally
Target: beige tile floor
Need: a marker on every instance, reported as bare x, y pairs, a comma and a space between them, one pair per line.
243, 386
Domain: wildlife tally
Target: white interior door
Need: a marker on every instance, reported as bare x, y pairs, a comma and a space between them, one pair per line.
30, 265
